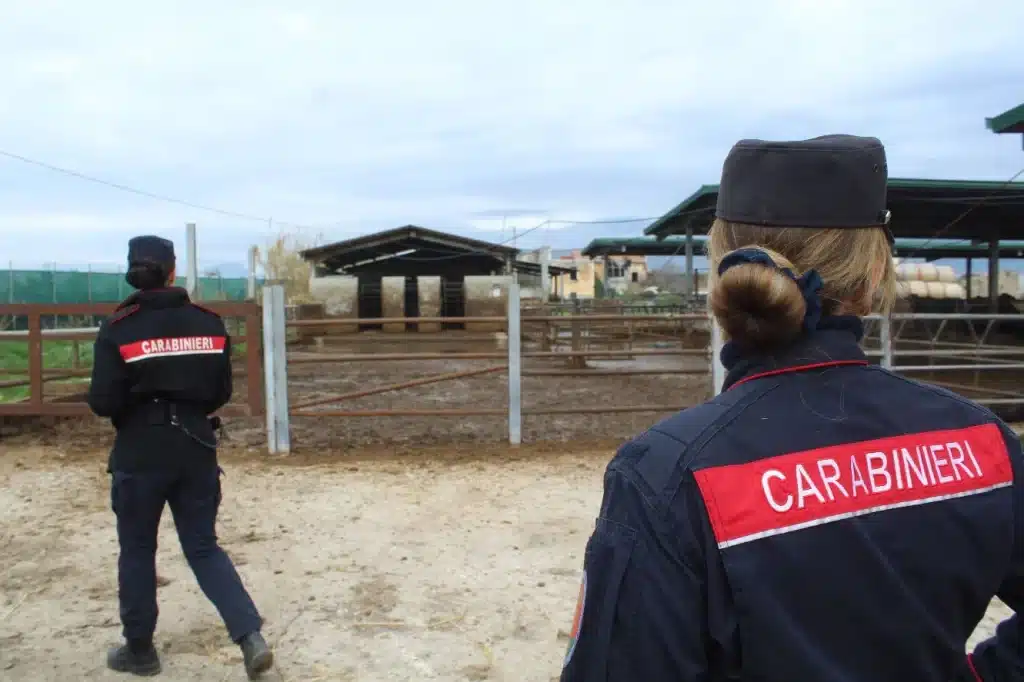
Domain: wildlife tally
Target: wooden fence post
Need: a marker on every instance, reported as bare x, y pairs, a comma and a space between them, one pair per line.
275, 370
254, 361
515, 403
35, 358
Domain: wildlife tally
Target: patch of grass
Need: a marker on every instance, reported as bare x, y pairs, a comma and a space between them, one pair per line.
57, 355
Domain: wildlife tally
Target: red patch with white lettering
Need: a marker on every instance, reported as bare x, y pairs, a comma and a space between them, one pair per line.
173, 347
800, 490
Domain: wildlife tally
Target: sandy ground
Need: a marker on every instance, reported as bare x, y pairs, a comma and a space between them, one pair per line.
429, 567
434, 566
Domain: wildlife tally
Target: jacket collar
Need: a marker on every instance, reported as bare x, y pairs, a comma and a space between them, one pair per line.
169, 297
835, 342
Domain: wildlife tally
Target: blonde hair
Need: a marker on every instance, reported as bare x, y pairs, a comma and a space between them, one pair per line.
762, 307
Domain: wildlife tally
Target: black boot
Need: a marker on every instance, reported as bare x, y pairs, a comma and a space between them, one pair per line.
137, 658
256, 654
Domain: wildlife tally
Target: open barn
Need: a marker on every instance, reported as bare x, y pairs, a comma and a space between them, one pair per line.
970, 343
414, 271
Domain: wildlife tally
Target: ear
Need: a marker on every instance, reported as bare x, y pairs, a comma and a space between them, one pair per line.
171, 277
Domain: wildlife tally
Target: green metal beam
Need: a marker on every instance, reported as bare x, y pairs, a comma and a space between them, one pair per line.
929, 249
1011, 121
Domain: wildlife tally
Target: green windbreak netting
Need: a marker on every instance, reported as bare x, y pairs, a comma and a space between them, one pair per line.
64, 286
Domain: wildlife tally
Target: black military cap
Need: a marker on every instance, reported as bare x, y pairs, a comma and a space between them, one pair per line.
833, 181
151, 249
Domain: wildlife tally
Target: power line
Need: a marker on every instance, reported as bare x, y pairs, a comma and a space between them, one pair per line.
254, 218
144, 193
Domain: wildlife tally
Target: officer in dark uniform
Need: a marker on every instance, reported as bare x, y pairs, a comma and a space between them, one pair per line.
822, 518
162, 366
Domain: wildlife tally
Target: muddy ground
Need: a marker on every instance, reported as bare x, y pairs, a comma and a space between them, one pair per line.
440, 564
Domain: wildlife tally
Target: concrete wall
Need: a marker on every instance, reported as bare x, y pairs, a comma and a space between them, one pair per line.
392, 302
429, 289
339, 295
481, 301
529, 286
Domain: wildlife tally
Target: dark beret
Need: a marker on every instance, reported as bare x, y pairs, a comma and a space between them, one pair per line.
152, 250
833, 181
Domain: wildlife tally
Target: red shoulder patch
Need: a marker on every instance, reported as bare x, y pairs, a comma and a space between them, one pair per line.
122, 313
205, 309
802, 490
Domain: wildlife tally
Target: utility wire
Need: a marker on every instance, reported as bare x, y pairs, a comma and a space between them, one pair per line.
260, 219
145, 193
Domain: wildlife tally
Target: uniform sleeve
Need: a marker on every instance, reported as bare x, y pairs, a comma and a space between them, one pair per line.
224, 389
641, 612
1001, 658
108, 387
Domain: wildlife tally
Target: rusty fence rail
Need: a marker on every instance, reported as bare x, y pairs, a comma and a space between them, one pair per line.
507, 362
34, 376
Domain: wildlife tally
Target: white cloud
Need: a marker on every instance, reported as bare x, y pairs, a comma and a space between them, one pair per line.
351, 116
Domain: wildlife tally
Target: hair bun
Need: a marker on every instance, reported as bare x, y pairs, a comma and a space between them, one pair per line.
146, 276
757, 305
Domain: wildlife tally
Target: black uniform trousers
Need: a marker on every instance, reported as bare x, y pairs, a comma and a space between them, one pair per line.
194, 496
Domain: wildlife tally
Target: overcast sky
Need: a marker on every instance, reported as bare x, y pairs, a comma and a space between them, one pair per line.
349, 116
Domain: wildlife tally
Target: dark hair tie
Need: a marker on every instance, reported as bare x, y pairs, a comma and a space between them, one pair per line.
809, 283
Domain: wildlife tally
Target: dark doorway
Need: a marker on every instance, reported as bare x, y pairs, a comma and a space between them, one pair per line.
370, 304
412, 301
453, 300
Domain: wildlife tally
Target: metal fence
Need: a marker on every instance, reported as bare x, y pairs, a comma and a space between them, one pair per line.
980, 356
971, 354
568, 336
965, 367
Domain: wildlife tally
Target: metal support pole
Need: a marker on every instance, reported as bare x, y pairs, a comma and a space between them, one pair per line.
275, 371
970, 263
993, 276
717, 368
515, 406
885, 336
192, 265
250, 292
690, 288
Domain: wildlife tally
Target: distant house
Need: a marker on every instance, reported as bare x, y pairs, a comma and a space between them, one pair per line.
624, 273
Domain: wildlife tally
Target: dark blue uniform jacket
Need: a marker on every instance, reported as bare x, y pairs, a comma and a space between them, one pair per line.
161, 366
820, 520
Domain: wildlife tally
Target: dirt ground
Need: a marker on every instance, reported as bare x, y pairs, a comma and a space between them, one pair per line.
439, 566
443, 565
383, 549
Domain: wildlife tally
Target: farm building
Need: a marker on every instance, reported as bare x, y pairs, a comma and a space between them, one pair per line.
973, 218
413, 271
1011, 121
